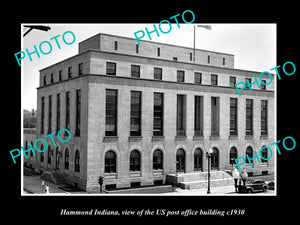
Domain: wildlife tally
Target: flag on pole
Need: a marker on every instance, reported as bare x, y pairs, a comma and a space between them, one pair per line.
208, 27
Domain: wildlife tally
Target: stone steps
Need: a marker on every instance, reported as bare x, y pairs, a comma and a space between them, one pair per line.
200, 179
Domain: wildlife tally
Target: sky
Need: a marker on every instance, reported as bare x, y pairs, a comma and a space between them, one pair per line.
253, 45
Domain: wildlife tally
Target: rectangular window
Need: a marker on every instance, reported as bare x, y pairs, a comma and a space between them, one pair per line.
68, 110
80, 68
215, 116
198, 78
208, 59
191, 56
158, 114
214, 79
110, 68
157, 73
233, 116
78, 112
263, 86
249, 80
42, 114
232, 82
69, 72
111, 112
181, 115
158, 51
116, 45
51, 78
224, 61
137, 48
249, 117
57, 113
198, 122
180, 76
264, 117
60, 75
135, 71
50, 115
135, 113
45, 80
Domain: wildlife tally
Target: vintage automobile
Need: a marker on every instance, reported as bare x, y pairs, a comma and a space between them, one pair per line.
256, 186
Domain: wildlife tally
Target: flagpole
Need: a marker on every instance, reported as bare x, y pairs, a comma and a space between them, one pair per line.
194, 49
194, 53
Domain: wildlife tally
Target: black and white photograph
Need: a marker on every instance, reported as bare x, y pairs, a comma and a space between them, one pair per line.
167, 119
149, 118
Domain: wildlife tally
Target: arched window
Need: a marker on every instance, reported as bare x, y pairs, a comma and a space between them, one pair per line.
180, 160
264, 154
198, 159
157, 160
249, 152
49, 155
110, 162
67, 159
135, 161
77, 161
232, 155
215, 159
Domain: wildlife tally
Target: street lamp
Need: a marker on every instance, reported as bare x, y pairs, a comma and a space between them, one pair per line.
208, 155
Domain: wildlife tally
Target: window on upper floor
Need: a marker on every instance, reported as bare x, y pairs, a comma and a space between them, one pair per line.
232, 81
198, 78
137, 48
157, 73
110, 68
135, 71
60, 75
80, 69
70, 72
214, 79
180, 76
116, 45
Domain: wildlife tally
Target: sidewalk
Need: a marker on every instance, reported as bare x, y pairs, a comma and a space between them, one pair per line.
33, 185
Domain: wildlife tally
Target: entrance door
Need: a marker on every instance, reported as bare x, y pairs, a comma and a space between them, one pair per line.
180, 160
215, 159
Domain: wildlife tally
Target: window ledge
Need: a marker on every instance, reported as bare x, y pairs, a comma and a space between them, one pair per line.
214, 137
158, 138
135, 173
135, 138
233, 137
198, 137
110, 139
180, 138
248, 137
110, 175
264, 137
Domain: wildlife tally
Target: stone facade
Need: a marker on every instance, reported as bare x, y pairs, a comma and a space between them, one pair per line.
92, 143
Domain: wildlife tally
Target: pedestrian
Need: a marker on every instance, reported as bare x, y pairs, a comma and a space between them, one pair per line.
235, 175
47, 190
244, 176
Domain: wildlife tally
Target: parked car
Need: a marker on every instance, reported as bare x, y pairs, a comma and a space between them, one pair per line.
255, 186
270, 185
